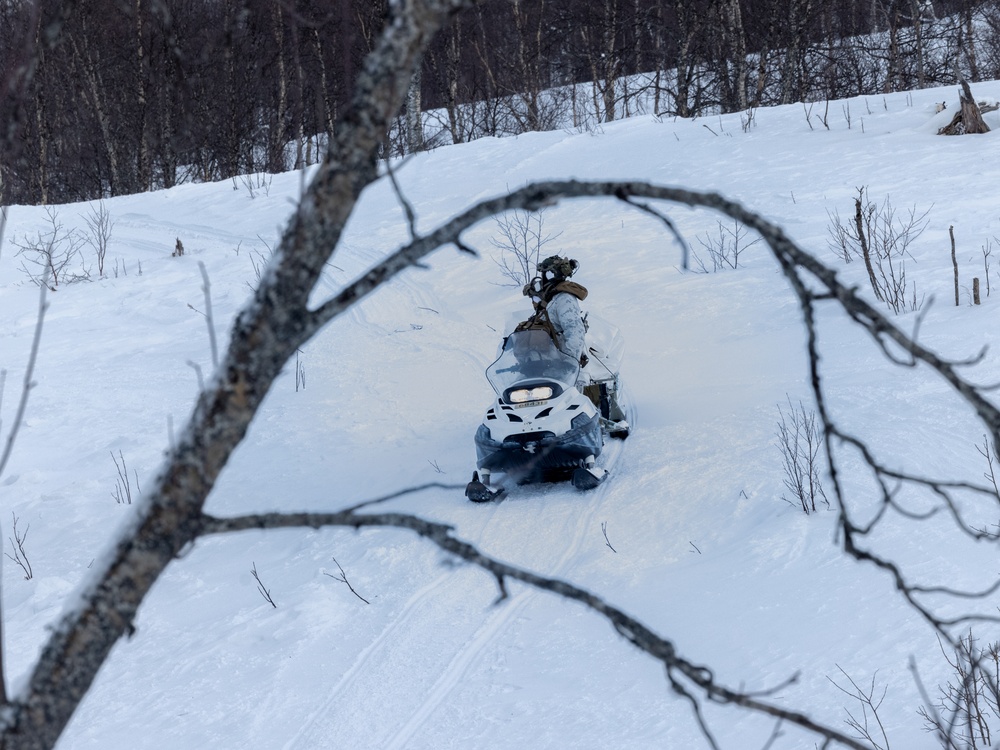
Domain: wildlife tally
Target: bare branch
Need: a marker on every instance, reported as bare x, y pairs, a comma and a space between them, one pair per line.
209, 321
343, 579
28, 383
685, 676
264, 592
411, 217
265, 335
607, 542
20, 556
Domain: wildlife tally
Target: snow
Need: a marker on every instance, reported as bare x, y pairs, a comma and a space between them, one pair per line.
706, 551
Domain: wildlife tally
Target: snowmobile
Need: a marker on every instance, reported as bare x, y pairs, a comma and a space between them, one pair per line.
550, 416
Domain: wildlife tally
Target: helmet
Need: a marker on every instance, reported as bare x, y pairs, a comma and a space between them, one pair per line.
558, 266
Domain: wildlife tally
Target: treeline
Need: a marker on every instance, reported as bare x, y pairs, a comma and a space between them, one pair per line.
133, 95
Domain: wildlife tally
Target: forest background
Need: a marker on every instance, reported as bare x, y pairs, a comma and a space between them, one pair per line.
136, 95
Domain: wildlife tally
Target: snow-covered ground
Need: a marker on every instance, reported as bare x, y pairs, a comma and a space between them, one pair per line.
706, 551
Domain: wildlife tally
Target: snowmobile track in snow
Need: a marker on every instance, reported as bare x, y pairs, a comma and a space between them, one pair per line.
502, 615
445, 626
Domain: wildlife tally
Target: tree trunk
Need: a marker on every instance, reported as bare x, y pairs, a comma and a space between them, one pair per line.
143, 158
414, 121
452, 70
969, 118
329, 103
798, 25
918, 37
609, 57
41, 123
528, 68
96, 89
276, 150
734, 57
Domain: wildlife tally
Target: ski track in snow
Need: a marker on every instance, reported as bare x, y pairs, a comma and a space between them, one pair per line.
376, 688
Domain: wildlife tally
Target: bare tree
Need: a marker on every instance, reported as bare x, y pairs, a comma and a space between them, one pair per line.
724, 247
520, 238
868, 721
279, 320
800, 442
882, 240
966, 713
51, 255
98, 233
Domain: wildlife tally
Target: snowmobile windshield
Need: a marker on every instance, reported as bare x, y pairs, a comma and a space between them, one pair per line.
531, 355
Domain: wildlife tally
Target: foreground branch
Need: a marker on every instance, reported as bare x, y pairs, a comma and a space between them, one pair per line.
278, 321
265, 335
684, 675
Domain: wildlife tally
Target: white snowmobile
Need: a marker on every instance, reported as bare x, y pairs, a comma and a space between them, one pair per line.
551, 416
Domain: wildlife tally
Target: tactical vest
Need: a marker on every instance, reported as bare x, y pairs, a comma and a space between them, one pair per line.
540, 318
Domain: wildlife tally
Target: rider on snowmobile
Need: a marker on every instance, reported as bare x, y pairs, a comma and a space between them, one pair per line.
557, 309
557, 305
541, 426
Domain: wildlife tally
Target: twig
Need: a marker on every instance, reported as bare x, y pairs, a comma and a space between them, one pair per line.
300, 372
207, 288
260, 586
671, 227
28, 382
343, 579
954, 262
123, 488
197, 371
607, 542
20, 556
411, 218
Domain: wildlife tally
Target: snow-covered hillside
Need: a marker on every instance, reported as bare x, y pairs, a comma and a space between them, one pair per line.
705, 550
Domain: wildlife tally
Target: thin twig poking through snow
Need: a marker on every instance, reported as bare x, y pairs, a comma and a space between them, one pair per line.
343, 579
260, 586
20, 556
607, 542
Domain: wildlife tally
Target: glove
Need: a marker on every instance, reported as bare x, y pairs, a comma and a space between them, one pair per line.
584, 359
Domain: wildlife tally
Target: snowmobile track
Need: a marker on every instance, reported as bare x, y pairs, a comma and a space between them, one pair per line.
442, 630
503, 615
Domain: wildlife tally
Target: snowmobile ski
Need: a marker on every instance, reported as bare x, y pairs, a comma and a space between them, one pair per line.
588, 478
618, 430
478, 492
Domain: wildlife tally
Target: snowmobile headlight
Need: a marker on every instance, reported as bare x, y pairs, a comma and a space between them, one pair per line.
525, 395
